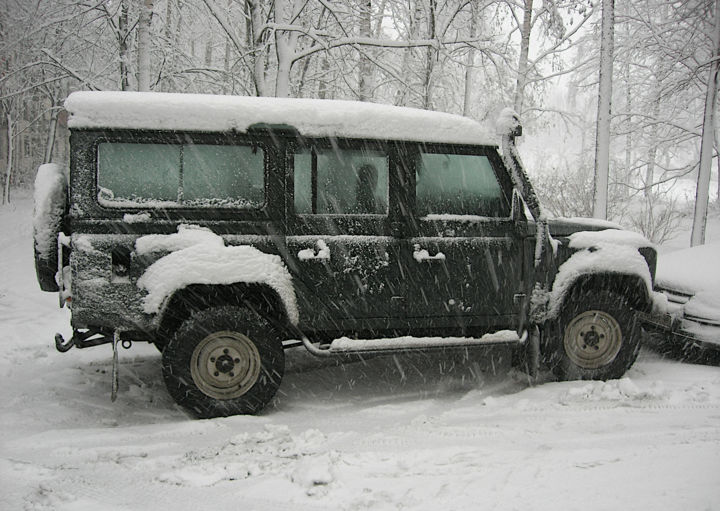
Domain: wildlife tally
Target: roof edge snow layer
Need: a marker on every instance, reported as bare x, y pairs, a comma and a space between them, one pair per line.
311, 117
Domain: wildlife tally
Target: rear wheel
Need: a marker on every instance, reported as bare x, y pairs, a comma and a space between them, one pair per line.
598, 338
223, 361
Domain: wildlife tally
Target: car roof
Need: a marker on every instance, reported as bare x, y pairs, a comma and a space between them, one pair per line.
309, 117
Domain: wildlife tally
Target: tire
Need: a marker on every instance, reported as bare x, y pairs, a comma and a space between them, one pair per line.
597, 337
223, 361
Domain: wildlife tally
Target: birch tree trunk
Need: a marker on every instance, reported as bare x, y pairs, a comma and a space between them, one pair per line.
286, 11
602, 137
365, 68
8, 169
52, 130
470, 62
429, 59
403, 93
523, 61
253, 26
123, 45
697, 237
143, 50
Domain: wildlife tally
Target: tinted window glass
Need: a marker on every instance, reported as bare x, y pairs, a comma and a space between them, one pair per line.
458, 184
341, 181
138, 172
223, 175
174, 175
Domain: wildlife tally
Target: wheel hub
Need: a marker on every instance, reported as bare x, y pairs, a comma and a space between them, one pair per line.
592, 339
225, 365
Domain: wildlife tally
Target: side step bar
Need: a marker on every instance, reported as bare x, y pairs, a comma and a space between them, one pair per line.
345, 346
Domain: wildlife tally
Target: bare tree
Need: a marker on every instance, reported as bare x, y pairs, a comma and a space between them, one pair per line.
703, 182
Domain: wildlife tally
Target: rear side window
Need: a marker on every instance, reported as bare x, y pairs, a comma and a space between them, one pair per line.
180, 175
458, 184
341, 181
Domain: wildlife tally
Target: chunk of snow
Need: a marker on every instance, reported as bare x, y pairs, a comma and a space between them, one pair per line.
311, 117
187, 236
49, 195
200, 257
321, 252
313, 471
421, 254
507, 122
134, 218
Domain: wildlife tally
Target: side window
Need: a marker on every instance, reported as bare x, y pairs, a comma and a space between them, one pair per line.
458, 184
180, 175
341, 181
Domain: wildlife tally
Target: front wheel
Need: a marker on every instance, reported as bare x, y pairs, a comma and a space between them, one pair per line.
223, 361
598, 338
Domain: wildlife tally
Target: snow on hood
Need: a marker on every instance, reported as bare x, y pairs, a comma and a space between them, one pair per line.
694, 271
690, 270
201, 257
311, 117
588, 239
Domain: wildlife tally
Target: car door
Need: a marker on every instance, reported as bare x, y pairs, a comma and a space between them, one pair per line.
340, 247
465, 252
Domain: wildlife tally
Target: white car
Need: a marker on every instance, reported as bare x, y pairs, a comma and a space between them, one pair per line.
690, 281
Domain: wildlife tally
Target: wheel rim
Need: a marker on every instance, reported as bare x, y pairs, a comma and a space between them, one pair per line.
592, 339
225, 365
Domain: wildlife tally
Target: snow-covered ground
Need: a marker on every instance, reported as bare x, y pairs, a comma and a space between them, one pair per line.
407, 432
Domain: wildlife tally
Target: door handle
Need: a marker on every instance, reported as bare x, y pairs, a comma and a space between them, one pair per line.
421, 255
321, 252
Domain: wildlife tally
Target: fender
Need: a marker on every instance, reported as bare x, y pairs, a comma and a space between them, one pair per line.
608, 259
210, 263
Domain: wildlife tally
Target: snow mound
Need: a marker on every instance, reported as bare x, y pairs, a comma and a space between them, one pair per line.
302, 459
201, 257
187, 236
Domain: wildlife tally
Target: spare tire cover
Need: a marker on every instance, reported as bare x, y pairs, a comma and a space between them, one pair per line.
50, 208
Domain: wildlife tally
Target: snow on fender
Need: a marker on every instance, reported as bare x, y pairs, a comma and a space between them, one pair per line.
610, 251
204, 259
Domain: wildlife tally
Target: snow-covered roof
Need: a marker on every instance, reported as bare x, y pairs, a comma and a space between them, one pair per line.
311, 117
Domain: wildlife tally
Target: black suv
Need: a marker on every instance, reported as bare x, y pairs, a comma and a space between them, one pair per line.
225, 229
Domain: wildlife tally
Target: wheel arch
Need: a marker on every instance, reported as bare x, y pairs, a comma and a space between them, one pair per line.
630, 286
258, 297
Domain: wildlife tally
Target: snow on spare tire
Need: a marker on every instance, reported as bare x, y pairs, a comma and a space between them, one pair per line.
50, 199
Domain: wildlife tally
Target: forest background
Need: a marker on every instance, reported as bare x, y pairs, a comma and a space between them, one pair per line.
470, 57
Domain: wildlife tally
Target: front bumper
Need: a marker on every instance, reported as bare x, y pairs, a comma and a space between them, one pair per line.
685, 331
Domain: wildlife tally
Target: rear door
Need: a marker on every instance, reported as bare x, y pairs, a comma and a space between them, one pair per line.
464, 256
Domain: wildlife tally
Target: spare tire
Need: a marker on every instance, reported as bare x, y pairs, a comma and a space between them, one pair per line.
48, 218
